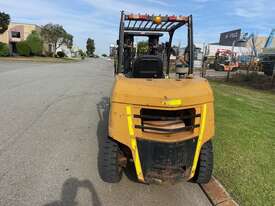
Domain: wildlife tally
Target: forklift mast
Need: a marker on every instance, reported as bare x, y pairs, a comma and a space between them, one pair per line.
140, 24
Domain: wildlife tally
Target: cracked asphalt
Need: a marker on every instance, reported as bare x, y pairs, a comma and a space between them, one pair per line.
51, 116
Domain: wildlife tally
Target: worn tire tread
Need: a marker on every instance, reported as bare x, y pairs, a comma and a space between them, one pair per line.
108, 162
205, 164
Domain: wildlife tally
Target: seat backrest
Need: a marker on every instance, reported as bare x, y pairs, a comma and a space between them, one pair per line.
148, 66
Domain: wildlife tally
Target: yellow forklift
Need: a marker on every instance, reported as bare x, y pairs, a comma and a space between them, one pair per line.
160, 122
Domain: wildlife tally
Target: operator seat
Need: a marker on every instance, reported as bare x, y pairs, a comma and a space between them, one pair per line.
148, 66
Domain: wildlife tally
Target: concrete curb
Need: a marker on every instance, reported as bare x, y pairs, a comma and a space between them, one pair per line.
217, 194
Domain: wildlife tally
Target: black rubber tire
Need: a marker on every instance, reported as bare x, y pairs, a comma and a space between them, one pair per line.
205, 164
108, 166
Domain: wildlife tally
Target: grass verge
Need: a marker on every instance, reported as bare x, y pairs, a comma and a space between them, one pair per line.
245, 143
41, 59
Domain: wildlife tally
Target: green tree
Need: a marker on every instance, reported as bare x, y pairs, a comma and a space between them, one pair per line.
23, 48
142, 47
4, 50
90, 46
104, 55
4, 22
56, 35
35, 43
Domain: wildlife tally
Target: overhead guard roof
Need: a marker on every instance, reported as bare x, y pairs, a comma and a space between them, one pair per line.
143, 33
140, 22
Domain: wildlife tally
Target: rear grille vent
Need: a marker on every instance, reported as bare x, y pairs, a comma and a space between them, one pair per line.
167, 121
166, 160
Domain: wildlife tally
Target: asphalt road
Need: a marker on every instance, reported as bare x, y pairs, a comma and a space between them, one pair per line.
49, 130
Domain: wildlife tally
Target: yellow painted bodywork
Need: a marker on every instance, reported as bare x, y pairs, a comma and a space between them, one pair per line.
200, 139
132, 94
134, 143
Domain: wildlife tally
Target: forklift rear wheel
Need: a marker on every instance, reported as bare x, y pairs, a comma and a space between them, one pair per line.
108, 161
205, 164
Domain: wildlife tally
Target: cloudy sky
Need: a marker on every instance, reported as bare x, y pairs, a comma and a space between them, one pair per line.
99, 19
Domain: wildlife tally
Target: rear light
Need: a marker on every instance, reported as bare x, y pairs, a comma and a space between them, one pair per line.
132, 16
182, 18
137, 17
143, 17
156, 19
172, 18
177, 18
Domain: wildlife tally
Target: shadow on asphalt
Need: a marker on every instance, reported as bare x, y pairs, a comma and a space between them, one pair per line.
69, 192
102, 132
102, 125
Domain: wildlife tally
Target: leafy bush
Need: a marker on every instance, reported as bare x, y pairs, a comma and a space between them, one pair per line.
60, 54
253, 79
23, 48
4, 50
35, 43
